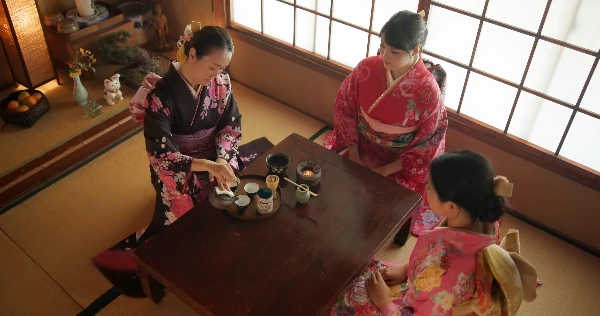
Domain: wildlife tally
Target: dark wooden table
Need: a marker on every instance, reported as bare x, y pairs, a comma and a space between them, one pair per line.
297, 262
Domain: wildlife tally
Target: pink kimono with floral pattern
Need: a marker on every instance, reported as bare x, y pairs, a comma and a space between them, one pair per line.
403, 119
442, 274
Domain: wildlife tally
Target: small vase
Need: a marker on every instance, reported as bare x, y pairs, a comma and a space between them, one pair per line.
79, 92
85, 8
302, 194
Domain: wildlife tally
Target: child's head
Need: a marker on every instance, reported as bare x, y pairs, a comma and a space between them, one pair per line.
464, 181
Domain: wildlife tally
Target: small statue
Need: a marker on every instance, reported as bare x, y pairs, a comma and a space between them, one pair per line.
112, 90
161, 30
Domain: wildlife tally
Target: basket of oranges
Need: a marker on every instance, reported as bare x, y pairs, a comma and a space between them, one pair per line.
24, 107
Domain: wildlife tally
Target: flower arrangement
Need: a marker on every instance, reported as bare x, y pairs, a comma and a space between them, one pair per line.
83, 60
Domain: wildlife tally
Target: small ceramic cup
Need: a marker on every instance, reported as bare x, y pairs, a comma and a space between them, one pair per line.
251, 188
242, 202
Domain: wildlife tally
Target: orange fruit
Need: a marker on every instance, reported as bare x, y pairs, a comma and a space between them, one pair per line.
38, 96
22, 108
30, 101
12, 105
23, 95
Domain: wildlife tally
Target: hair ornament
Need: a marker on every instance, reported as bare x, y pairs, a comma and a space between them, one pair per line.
502, 187
188, 34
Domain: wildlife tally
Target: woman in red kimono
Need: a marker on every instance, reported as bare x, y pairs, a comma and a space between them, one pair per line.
389, 112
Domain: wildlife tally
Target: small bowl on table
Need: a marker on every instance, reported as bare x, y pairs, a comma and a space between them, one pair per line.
277, 163
309, 173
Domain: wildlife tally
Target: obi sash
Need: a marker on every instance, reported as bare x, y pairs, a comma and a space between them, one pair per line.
200, 145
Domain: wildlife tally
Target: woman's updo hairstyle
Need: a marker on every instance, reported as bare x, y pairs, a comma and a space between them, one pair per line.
204, 40
405, 30
467, 179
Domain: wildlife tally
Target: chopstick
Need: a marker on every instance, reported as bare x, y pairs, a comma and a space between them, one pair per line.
296, 184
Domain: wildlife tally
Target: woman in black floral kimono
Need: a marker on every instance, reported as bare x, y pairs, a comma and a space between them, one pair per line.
192, 128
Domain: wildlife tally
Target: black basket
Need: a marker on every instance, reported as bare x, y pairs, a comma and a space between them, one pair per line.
28, 118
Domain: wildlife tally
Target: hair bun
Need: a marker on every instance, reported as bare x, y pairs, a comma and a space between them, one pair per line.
502, 187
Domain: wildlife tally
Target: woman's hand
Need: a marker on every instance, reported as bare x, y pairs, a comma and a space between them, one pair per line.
395, 275
221, 160
221, 172
383, 170
378, 291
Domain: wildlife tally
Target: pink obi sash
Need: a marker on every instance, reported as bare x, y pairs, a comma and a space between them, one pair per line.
198, 145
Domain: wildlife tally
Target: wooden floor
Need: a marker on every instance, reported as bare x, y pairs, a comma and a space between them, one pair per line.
46, 241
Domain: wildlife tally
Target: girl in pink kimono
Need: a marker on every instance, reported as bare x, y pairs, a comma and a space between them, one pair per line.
441, 273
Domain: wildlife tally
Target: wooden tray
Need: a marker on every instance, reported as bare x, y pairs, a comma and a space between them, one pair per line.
251, 214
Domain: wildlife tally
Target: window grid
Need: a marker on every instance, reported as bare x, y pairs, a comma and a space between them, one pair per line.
370, 27
426, 5
470, 66
330, 24
535, 42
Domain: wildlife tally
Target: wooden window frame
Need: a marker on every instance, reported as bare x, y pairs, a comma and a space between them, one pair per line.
495, 137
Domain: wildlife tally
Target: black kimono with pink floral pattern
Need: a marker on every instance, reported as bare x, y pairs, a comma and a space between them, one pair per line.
179, 127
180, 124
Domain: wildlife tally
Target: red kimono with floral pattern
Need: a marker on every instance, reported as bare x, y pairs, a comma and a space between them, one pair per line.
402, 120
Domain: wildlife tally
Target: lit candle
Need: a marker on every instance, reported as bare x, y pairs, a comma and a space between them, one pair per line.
308, 173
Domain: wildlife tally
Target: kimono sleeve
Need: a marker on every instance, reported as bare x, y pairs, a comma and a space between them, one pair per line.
431, 293
345, 115
393, 309
229, 133
172, 168
429, 142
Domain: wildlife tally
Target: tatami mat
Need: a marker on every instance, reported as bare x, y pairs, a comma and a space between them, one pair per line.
64, 121
66, 224
262, 116
571, 276
26, 289
319, 140
61, 227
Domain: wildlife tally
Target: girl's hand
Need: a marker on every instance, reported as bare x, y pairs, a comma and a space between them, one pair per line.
395, 275
378, 291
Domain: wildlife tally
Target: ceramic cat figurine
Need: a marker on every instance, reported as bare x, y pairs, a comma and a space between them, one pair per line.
112, 90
